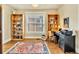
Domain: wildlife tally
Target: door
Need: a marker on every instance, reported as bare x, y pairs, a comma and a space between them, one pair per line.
0, 30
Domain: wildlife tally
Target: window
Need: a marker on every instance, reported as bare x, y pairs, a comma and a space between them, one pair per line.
35, 23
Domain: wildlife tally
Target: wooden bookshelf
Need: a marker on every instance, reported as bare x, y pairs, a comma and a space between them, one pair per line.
53, 23
17, 26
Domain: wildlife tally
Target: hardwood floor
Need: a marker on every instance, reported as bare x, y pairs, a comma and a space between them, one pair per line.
54, 49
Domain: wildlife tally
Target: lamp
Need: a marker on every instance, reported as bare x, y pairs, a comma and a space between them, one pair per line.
59, 26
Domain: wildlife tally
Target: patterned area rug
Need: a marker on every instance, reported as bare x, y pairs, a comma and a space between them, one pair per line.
29, 48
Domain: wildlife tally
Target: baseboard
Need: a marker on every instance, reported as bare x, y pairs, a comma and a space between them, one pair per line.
77, 50
4, 42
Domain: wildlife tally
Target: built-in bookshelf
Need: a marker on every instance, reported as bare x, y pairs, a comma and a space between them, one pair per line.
17, 26
53, 23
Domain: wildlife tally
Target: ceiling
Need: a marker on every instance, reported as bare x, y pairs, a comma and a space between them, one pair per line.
30, 7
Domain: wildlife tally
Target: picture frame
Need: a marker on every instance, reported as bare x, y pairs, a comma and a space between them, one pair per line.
66, 22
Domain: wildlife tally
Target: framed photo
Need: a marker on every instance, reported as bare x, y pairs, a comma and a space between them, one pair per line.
66, 22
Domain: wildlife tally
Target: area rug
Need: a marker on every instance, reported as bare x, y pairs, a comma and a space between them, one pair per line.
29, 48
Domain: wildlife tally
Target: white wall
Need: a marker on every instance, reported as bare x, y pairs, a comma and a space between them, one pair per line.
78, 16
6, 23
26, 35
69, 10
6, 20
77, 31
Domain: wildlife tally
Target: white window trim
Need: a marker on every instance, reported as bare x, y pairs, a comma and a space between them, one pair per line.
40, 14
